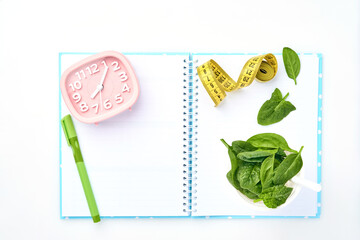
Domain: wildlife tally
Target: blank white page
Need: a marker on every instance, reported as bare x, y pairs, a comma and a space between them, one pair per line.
134, 160
236, 119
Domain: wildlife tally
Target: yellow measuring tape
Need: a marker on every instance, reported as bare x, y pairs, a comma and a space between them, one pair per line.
216, 81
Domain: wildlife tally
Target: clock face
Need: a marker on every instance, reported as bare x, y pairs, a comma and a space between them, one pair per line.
99, 87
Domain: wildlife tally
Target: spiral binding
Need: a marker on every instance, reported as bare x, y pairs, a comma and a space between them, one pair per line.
189, 171
195, 83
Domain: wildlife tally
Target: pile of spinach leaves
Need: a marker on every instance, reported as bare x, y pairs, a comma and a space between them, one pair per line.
260, 167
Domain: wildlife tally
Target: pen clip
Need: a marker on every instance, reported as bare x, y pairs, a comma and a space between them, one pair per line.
68, 127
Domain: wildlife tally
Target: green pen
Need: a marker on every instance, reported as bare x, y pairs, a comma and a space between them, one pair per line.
72, 140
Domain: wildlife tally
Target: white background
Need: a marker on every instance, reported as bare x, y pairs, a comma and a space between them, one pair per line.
33, 32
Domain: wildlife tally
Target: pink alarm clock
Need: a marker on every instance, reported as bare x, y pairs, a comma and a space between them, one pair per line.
99, 87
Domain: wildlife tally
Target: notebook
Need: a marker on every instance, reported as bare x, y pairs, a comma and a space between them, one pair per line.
165, 159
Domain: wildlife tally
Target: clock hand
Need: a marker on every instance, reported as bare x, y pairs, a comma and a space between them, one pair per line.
100, 86
103, 77
97, 90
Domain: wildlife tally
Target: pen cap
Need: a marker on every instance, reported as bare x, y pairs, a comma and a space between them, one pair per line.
68, 127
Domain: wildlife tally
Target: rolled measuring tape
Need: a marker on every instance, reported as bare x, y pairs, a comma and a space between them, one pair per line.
216, 81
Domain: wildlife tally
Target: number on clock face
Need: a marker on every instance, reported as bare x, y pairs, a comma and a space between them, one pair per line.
92, 84
77, 97
89, 70
115, 65
84, 107
76, 85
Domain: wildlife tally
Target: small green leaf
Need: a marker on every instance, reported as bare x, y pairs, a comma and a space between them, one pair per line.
231, 177
267, 172
225, 143
232, 174
276, 162
255, 156
248, 193
275, 109
269, 140
242, 146
276, 95
291, 62
257, 189
288, 168
280, 155
275, 196
249, 175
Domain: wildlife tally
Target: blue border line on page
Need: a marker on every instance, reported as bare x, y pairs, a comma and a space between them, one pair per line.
319, 138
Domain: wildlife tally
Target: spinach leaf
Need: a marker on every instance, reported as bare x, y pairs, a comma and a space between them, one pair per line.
225, 143
249, 194
276, 162
276, 95
269, 140
232, 174
291, 62
249, 175
267, 172
257, 189
275, 109
242, 146
280, 155
288, 168
255, 156
275, 196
